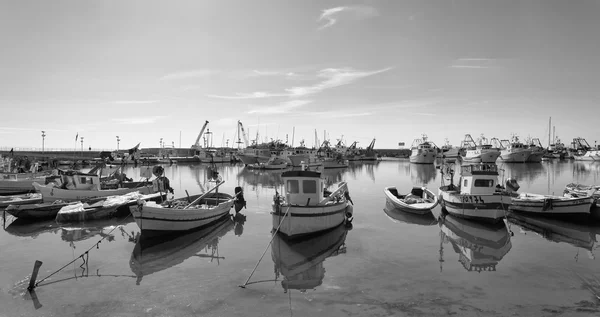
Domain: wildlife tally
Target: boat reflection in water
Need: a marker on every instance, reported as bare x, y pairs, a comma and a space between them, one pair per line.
356, 168
28, 228
422, 174
83, 231
480, 245
578, 235
398, 215
160, 252
301, 262
261, 178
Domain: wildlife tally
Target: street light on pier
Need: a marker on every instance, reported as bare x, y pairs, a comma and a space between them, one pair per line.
43, 140
81, 145
118, 140
161, 142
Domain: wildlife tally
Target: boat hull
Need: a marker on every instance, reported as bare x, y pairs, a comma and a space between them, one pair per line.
422, 158
418, 208
333, 163
150, 216
25, 199
252, 159
305, 220
481, 157
297, 159
36, 211
551, 205
536, 157
515, 157
19, 186
490, 208
50, 194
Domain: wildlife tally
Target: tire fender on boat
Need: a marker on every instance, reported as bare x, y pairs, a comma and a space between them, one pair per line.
349, 213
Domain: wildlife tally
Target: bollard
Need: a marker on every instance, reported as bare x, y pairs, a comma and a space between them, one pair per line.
34, 274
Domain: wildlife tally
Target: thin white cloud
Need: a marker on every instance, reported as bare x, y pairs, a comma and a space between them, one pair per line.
476, 59
254, 95
198, 73
138, 120
283, 107
133, 102
333, 77
331, 15
423, 114
469, 66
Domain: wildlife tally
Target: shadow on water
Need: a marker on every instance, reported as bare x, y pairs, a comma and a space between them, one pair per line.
398, 215
160, 252
301, 262
480, 246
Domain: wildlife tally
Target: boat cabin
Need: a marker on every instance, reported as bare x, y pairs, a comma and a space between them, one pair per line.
76, 180
478, 179
8, 176
303, 187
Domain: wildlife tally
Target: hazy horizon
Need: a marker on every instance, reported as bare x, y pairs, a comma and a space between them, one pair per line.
146, 70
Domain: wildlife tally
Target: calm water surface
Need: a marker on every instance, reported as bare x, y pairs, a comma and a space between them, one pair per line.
389, 264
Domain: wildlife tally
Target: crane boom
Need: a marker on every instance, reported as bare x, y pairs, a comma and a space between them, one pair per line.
197, 144
241, 127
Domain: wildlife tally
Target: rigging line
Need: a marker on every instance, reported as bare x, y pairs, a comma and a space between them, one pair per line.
97, 245
270, 241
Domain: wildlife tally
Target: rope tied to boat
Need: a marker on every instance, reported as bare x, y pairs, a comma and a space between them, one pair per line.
268, 245
33, 283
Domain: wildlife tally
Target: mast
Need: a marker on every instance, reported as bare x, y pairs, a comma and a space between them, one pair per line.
549, 125
293, 134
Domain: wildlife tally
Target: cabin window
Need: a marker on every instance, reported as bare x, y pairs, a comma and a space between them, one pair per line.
293, 187
309, 186
484, 183
465, 183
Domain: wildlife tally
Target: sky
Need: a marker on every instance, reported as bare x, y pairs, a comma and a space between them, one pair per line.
351, 70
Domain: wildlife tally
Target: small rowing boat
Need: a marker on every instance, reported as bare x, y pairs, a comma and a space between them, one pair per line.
420, 200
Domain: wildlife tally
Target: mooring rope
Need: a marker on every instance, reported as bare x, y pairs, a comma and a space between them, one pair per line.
267, 248
82, 256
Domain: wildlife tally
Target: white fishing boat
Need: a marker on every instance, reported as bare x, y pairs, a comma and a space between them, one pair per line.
301, 155
23, 199
583, 151
551, 205
331, 162
19, 183
397, 215
478, 194
305, 209
537, 151
419, 200
423, 152
447, 151
77, 186
274, 163
514, 151
301, 262
481, 152
184, 213
480, 246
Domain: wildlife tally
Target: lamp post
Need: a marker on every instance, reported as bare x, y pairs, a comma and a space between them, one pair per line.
43, 140
81, 145
118, 140
161, 142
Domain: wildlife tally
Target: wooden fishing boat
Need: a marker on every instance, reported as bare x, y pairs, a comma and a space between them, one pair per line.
18, 183
579, 190
158, 253
301, 262
551, 205
184, 213
478, 194
24, 199
77, 186
37, 211
305, 209
420, 200
102, 209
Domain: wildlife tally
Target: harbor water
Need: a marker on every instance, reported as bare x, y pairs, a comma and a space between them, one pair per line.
388, 264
